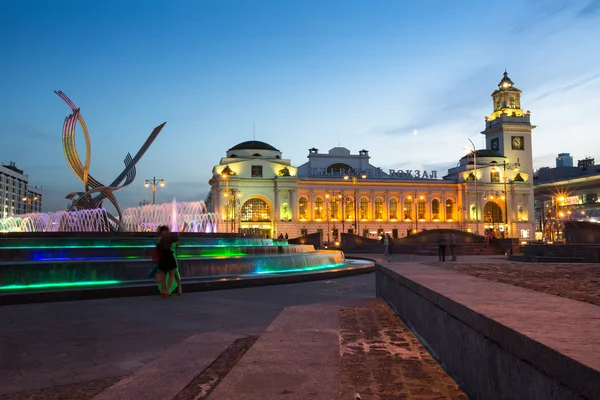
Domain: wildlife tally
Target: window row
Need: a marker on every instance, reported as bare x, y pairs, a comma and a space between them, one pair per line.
323, 208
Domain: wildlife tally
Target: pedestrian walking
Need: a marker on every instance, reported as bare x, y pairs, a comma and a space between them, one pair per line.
386, 245
453, 246
442, 248
167, 264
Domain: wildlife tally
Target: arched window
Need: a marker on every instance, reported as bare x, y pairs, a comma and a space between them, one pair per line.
364, 208
492, 213
435, 209
338, 169
255, 210
513, 102
408, 208
319, 211
421, 208
378, 208
303, 207
393, 209
449, 209
334, 208
349, 208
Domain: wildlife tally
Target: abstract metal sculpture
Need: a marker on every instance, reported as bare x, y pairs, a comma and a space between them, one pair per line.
95, 192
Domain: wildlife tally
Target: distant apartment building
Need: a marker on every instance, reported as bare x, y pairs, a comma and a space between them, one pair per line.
586, 163
16, 196
564, 160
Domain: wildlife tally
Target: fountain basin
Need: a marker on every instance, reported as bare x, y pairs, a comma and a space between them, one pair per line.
59, 262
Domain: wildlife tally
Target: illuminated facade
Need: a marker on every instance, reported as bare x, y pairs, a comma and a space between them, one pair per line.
16, 196
255, 190
566, 193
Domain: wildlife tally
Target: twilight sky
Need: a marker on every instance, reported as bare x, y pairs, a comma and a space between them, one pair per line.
409, 81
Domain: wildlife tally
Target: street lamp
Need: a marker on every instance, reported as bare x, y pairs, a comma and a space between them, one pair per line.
506, 166
28, 203
476, 194
354, 181
233, 199
153, 183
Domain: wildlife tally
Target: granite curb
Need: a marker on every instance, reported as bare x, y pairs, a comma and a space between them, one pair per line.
536, 328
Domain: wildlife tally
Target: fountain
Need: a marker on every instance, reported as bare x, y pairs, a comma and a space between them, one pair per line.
184, 217
180, 216
95, 220
53, 260
78, 249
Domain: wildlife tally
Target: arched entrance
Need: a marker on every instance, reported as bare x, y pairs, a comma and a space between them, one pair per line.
255, 217
492, 214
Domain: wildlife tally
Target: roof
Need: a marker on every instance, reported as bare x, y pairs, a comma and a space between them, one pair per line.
253, 145
484, 153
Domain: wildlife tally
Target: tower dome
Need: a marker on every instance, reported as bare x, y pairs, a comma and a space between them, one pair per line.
253, 148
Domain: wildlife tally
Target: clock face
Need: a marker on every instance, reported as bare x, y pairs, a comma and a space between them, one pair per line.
495, 144
517, 143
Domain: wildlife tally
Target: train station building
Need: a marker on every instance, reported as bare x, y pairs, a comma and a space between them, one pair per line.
256, 190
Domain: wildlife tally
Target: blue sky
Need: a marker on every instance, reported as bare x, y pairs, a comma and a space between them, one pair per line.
410, 82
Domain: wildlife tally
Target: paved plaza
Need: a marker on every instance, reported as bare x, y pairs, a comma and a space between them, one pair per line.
49, 344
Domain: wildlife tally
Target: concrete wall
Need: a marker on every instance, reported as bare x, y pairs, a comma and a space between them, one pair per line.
488, 358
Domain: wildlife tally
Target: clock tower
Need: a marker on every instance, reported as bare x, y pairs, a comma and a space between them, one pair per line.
508, 128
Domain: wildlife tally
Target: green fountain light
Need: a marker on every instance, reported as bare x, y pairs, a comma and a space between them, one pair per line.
58, 285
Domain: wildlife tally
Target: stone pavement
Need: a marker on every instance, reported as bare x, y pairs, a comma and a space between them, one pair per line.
577, 281
382, 359
49, 344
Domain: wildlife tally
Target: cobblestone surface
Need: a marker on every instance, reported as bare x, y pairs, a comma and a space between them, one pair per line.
75, 391
383, 360
579, 282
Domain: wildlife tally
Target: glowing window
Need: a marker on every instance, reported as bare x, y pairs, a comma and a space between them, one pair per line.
255, 210
421, 208
318, 208
449, 209
334, 207
378, 208
349, 208
435, 208
303, 207
407, 208
393, 209
364, 208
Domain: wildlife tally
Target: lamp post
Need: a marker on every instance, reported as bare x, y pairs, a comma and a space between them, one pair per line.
476, 193
233, 199
354, 181
328, 209
327, 212
506, 166
28, 201
153, 183
226, 178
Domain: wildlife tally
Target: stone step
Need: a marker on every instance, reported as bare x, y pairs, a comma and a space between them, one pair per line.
324, 351
165, 377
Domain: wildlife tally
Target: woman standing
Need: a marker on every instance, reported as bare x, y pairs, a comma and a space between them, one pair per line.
167, 265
